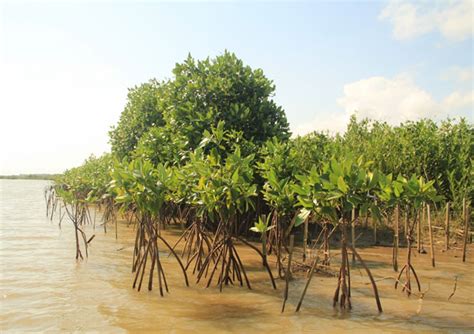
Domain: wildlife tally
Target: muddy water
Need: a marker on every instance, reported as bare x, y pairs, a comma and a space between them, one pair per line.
42, 288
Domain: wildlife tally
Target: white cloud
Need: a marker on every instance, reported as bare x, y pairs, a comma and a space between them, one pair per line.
459, 74
332, 122
458, 100
390, 100
453, 19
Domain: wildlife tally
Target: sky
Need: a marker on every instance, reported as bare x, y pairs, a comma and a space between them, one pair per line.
65, 66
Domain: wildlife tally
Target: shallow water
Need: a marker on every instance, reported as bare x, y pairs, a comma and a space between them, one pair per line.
42, 287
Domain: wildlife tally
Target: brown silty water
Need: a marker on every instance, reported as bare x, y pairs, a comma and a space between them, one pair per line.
43, 288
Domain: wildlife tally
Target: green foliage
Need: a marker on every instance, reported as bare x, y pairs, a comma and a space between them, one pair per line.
163, 120
212, 138
302, 216
456, 149
339, 187
88, 182
225, 141
312, 150
140, 113
262, 225
205, 92
223, 188
443, 153
277, 170
140, 184
159, 145
417, 191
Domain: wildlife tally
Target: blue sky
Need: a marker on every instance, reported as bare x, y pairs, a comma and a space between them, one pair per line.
65, 66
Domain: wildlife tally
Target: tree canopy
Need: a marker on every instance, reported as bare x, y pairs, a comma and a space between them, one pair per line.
174, 115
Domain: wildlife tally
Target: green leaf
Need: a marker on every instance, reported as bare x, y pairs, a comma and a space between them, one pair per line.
301, 217
235, 176
341, 185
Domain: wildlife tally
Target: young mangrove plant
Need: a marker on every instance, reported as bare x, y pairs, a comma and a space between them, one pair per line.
197, 238
225, 190
75, 201
415, 193
280, 197
277, 170
390, 193
263, 227
138, 182
332, 194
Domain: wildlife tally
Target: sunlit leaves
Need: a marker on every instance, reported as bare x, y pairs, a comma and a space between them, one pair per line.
263, 225
141, 184
88, 182
302, 217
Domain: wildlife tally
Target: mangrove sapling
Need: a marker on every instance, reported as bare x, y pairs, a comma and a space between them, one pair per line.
73, 196
139, 184
87, 183
277, 169
262, 227
333, 194
224, 190
390, 193
77, 213
415, 193
408, 267
197, 238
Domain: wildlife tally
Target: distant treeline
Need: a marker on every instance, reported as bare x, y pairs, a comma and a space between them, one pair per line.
30, 177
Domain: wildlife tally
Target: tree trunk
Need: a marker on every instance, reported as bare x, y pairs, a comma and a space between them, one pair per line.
305, 239
447, 227
419, 247
466, 229
353, 233
395, 239
430, 231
